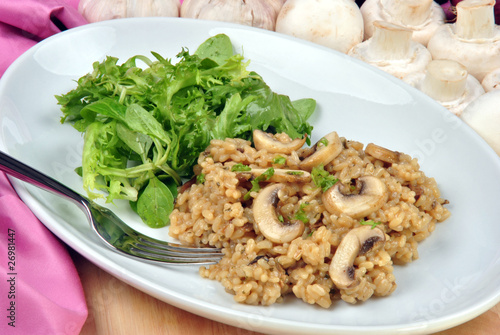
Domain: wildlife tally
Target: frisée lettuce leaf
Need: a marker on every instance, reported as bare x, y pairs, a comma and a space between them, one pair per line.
146, 121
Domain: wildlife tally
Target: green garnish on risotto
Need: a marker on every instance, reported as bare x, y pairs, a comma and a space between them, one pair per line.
279, 160
301, 214
322, 178
256, 182
240, 167
370, 223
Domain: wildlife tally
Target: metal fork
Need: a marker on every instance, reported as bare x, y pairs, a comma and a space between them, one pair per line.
113, 231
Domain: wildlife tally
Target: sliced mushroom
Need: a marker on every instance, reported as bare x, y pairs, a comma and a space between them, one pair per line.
327, 149
358, 241
263, 140
279, 176
264, 212
382, 153
371, 195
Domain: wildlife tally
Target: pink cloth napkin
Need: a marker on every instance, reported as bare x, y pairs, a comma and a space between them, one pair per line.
40, 291
23, 23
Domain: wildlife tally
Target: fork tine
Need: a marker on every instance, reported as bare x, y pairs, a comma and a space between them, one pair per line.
185, 252
173, 259
149, 242
132, 242
149, 248
152, 248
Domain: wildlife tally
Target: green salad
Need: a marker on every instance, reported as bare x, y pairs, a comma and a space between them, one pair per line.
146, 121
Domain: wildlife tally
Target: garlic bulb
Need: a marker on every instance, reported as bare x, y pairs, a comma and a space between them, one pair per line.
255, 13
277, 5
100, 10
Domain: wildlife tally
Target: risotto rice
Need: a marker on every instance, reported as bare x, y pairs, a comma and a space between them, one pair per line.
220, 210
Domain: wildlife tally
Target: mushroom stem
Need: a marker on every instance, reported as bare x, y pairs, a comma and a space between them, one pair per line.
409, 12
389, 42
445, 80
392, 49
475, 19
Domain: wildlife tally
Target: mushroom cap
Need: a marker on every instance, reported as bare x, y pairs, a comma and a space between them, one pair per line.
491, 81
264, 212
357, 241
382, 153
372, 196
479, 56
324, 154
483, 115
334, 24
263, 140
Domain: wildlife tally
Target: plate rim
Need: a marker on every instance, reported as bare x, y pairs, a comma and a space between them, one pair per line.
437, 324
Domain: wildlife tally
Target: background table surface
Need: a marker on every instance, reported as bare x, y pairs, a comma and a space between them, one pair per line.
117, 308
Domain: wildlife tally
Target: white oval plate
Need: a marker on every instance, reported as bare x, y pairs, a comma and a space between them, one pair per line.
458, 274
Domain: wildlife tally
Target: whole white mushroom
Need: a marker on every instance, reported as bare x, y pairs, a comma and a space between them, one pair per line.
483, 115
447, 82
423, 17
392, 50
473, 40
492, 80
337, 24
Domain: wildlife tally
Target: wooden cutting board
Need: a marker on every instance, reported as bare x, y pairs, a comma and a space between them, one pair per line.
117, 308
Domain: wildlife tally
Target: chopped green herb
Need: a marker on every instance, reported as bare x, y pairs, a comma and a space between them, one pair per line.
280, 160
323, 141
255, 183
295, 173
301, 214
240, 167
200, 179
280, 217
371, 223
321, 178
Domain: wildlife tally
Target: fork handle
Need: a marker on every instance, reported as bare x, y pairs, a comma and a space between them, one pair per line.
21, 171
